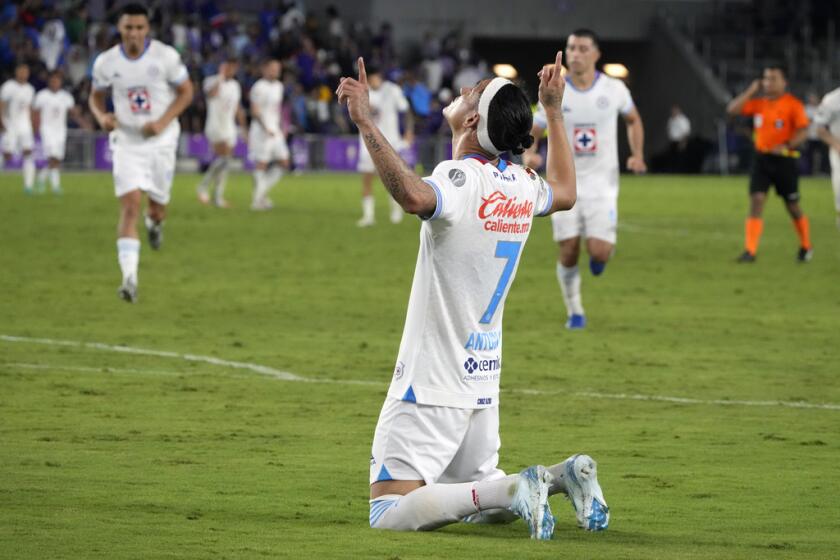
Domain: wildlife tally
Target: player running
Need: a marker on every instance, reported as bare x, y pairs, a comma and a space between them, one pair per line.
781, 126
49, 118
386, 102
223, 112
266, 142
149, 87
435, 449
16, 122
828, 129
591, 108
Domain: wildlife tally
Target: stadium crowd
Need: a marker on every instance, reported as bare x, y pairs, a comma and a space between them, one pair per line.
315, 49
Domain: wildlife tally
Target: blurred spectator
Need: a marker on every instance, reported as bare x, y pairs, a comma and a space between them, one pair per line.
679, 131
816, 152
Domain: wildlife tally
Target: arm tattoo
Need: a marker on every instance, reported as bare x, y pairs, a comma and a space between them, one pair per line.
400, 181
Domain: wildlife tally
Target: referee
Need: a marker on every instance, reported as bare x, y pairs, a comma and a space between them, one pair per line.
780, 127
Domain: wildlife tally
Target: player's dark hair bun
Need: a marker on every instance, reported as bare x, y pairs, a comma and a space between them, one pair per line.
509, 120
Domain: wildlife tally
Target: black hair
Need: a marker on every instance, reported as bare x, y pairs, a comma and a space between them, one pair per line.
21, 62
134, 9
777, 66
584, 32
509, 120
372, 68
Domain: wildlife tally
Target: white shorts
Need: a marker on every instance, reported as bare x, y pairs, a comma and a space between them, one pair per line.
17, 140
217, 136
149, 169
53, 148
435, 443
834, 158
593, 219
365, 163
264, 148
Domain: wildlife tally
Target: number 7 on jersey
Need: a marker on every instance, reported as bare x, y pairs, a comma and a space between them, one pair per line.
504, 250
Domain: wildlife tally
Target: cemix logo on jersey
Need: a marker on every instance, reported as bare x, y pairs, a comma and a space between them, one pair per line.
502, 214
482, 370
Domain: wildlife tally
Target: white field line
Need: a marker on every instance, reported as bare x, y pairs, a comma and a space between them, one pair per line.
286, 376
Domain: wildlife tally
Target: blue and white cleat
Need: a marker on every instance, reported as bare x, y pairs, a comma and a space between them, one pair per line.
585, 493
576, 322
530, 502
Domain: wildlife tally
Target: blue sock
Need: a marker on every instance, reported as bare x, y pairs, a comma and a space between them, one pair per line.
597, 267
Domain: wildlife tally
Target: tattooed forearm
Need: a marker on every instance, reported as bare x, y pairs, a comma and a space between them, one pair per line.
402, 183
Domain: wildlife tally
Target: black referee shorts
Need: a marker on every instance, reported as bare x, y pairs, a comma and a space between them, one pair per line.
779, 171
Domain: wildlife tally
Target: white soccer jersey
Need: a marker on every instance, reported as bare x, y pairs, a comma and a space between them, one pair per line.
451, 350
386, 104
828, 113
267, 96
53, 106
142, 90
591, 118
17, 102
222, 107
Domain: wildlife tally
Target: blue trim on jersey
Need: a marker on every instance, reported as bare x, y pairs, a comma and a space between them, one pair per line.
550, 203
408, 397
595, 81
438, 199
145, 48
383, 475
378, 509
501, 166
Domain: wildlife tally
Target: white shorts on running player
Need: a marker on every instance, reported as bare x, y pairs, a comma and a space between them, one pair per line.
436, 444
595, 218
53, 148
365, 163
150, 169
221, 136
264, 148
17, 140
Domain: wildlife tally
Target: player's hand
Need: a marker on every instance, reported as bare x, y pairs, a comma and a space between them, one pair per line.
552, 85
355, 94
532, 160
636, 164
152, 128
108, 122
755, 86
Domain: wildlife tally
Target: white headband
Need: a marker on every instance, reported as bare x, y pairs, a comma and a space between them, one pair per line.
483, 107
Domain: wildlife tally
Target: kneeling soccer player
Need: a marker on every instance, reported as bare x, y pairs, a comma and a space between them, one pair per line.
435, 449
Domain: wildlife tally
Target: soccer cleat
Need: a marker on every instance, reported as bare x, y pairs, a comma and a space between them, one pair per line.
128, 290
530, 502
366, 222
155, 230
804, 255
221, 204
585, 493
576, 322
746, 257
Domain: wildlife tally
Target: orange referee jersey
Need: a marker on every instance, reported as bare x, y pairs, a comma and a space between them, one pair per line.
775, 121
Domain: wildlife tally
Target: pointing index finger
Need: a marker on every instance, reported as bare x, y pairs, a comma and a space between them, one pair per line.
362, 72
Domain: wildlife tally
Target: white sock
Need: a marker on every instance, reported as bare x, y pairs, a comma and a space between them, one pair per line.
221, 180
367, 208
569, 280
210, 175
259, 181
272, 175
396, 211
558, 482
28, 171
42, 174
433, 506
128, 255
55, 179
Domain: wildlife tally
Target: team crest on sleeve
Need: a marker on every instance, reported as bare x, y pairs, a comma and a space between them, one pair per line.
585, 140
457, 177
139, 100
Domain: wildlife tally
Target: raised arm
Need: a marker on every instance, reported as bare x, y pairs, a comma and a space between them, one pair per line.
636, 139
734, 107
405, 186
560, 165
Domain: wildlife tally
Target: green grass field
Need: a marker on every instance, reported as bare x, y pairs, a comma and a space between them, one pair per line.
112, 454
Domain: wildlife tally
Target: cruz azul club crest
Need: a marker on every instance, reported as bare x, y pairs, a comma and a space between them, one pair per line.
139, 100
585, 140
